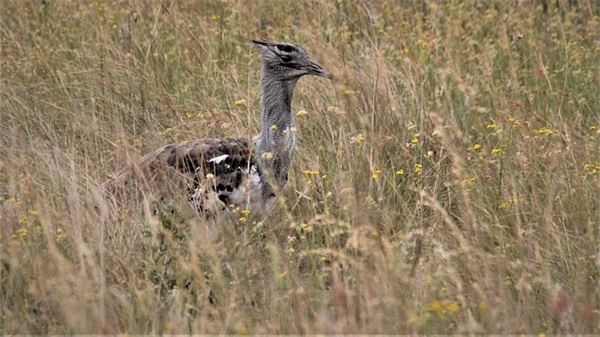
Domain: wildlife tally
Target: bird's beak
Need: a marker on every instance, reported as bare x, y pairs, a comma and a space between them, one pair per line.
313, 68
260, 43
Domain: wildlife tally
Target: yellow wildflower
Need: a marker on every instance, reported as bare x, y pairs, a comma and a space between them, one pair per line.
240, 102
359, 139
545, 131
441, 307
418, 168
376, 174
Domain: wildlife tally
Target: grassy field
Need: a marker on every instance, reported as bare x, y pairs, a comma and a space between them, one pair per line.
446, 181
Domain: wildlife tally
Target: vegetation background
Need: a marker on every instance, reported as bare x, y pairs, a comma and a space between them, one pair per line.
447, 180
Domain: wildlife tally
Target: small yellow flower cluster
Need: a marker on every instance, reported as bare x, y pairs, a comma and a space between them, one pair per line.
443, 307
413, 142
245, 213
240, 102
306, 227
17, 235
505, 204
466, 181
303, 227
418, 168
475, 147
311, 173
375, 174
545, 131
22, 232
359, 139
592, 168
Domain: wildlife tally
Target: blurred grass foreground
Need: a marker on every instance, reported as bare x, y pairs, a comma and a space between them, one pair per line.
447, 180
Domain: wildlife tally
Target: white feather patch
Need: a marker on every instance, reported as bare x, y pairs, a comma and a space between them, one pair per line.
218, 159
249, 191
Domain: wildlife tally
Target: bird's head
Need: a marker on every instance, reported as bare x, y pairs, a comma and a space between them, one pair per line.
286, 61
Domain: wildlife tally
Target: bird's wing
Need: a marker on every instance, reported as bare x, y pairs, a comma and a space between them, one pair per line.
204, 169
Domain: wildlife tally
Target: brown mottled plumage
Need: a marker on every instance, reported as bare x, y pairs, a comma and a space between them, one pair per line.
216, 172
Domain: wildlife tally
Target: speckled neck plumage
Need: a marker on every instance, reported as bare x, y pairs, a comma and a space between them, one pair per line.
276, 143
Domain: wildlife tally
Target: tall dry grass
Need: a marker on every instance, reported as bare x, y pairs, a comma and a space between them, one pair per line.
447, 181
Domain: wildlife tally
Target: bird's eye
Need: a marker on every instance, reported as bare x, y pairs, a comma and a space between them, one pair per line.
285, 48
285, 58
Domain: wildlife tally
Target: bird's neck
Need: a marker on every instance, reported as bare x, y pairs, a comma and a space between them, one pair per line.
277, 140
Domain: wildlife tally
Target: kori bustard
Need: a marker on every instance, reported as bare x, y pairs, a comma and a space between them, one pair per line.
216, 173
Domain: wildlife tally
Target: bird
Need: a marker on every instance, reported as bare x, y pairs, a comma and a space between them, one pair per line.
216, 174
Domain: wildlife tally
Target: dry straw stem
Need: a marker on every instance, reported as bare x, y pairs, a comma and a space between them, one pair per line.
447, 180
